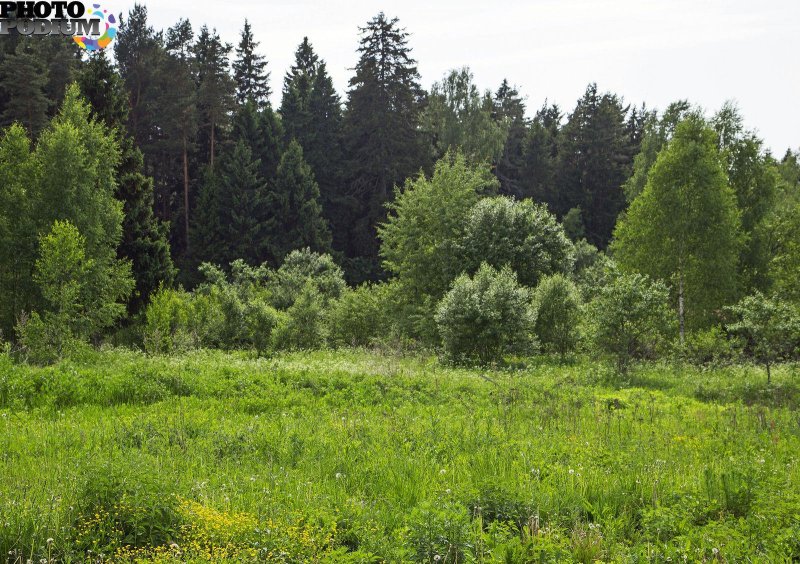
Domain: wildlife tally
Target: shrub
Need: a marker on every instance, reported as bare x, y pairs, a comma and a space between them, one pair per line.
630, 318
521, 235
485, 317
300, 268
769, 329
557, 304
302, 326
360, 316
168, 322
260, 320
709, 346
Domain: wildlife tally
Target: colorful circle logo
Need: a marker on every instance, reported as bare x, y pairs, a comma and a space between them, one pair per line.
96, 44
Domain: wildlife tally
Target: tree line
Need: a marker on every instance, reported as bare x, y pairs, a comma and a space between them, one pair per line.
143, 172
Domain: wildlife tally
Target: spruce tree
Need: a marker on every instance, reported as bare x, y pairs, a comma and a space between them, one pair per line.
295, 214
383, 142
249, 71
539, 151
242, 193
595, 152
509, 110
297, 87
311, 113
23, 79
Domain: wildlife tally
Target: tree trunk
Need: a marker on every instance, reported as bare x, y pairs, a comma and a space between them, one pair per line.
681, 316
769, 375
186, 191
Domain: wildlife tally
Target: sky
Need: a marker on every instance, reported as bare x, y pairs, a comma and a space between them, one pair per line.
651, 51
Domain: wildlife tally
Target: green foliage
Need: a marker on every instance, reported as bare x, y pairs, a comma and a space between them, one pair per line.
295, 213
302, 326
426, 222
595, 149
630, 319
684, 228
167, 326
300, 268
383, 141
440, 532
558, 314
769, 328
361, 316
249, 70
708, 347
82, 295
483, 318
457, 117
521, 235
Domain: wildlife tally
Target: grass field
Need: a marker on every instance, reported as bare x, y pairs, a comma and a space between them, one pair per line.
358, 457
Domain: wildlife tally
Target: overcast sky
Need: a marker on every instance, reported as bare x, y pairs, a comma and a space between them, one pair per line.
652, 51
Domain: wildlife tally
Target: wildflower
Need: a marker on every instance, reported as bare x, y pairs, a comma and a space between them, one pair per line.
338, 475
437, 558
443, 471
50, 540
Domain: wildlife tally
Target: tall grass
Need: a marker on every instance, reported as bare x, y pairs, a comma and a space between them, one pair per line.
354, 456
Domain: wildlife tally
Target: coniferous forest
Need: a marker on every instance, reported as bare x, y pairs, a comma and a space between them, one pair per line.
405, 322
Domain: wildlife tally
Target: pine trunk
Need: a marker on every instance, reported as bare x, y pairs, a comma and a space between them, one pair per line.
186, 191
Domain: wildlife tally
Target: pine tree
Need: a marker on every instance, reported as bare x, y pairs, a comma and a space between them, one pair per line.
249, 71
178, 107
215, 88
144, 237
324, 152
384, 146
138, 51
23, 79
295, 213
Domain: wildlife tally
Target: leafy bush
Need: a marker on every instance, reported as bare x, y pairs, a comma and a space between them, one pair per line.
630, 318
302, 326
260, 320
301, 267
519, 234
709, 346
485, 317
167, 322
360, 316
769, 329
557, 304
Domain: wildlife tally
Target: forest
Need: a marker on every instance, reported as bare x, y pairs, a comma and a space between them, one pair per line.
585, 321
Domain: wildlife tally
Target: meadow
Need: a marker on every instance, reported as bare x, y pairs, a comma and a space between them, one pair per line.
359, 456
